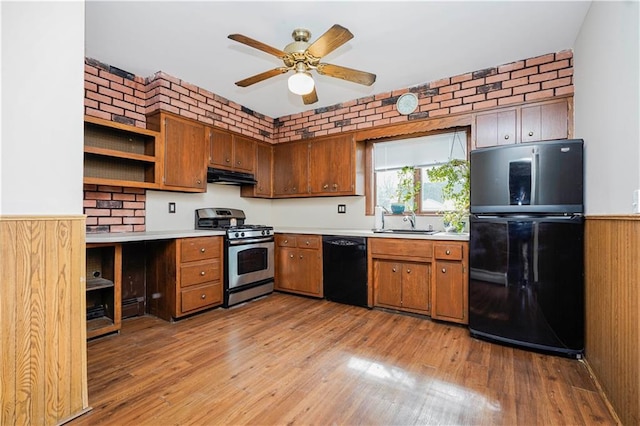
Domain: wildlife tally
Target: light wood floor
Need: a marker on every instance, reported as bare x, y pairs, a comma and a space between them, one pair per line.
292, 360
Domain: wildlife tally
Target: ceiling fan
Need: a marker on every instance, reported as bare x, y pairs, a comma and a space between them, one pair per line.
301, 57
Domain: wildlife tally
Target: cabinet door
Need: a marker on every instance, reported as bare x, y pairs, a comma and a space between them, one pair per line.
449, 292
309, 274
415, 286
331, 168
291, 169
185, 158
286, 268
496, 128
220, 149
244, 154
387, 278
545, 122
264, 153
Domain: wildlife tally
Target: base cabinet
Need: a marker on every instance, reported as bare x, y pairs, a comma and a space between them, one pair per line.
103, 288
184, 276
299, 264
450, 283
402, 285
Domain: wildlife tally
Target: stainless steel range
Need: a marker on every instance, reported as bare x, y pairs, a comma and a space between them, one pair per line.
249, 253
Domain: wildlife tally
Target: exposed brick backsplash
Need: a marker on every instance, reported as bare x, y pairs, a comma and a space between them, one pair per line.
114, 208
542, 77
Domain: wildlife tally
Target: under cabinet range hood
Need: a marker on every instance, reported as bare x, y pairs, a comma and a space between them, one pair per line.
229, 177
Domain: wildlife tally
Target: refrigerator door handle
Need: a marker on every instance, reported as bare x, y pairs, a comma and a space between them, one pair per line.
535, 161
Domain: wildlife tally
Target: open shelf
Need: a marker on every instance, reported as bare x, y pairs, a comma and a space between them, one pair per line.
103, 288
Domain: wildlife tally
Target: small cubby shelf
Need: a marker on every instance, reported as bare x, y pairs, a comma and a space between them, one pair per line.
120, 155
103, 288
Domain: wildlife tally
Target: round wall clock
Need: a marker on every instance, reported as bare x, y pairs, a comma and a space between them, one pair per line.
407, 103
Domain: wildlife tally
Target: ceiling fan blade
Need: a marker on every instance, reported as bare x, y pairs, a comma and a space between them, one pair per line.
262, 76
360, 77
257, 45
335, 37
310, 98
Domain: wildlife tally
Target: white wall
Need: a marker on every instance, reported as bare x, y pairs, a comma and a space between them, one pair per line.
607, 93
42, 108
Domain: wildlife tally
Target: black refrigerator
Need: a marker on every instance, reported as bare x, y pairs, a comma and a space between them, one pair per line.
526, 256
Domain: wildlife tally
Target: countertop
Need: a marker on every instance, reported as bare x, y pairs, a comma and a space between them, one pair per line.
124, 237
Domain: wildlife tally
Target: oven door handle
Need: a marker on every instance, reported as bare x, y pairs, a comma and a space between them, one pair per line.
250, 241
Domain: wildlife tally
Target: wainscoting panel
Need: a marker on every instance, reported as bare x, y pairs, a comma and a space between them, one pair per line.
42, 314
612, 277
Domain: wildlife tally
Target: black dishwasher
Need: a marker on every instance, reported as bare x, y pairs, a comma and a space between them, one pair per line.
344, 269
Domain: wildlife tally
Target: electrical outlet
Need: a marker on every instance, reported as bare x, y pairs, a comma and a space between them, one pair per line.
635, 205
342, 208
172, 207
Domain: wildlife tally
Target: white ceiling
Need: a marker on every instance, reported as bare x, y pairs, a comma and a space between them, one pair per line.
404, 43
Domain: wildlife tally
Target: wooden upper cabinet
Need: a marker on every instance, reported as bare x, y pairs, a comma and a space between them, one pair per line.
545, 122
539, 121
263, 173
220, 148
291, 169
244, 154
496, 128
231, 152
184, 156
332, 168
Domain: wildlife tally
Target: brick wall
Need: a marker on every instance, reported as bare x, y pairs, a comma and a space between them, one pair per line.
117, 95
533, 79
114, 209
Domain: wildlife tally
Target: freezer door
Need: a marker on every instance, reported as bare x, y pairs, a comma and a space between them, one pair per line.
541, 177
526, 284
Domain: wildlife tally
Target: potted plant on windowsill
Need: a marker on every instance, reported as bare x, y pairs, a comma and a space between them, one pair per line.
455, 175
407, 190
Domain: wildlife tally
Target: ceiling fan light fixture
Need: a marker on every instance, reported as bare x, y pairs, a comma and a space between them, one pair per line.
301, 83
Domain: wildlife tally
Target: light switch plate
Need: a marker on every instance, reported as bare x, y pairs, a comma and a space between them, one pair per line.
172, 207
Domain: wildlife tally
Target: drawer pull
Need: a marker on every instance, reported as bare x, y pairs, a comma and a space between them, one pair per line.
202, 250
444, 270
307, 243
202, 273
448, 252
325, 186
203, 296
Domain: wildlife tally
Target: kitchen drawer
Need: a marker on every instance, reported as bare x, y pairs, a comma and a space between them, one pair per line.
448, 251
199, 248
200, 297
402, 249
308, 241
286, 240
193, 273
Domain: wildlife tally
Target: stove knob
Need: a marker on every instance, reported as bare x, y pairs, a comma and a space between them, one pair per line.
237, 235
264, 232
242, 234
267, 232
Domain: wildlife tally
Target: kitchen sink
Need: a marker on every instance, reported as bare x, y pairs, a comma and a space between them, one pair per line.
406, 231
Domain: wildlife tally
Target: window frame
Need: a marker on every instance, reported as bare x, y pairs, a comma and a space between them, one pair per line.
370, 175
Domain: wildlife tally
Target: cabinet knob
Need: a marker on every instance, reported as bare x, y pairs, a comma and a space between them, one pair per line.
227, 160
530, 133
286, 241
335, 186
506, 136
203, 296
202, 250
198, 181
238, 163
393, 269
325, 186
291, 256
444, 270
408, 271
448, 252
202, 273
300, 256
294, 189
307, 242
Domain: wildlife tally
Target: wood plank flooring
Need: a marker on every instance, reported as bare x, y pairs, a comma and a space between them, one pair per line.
291, 360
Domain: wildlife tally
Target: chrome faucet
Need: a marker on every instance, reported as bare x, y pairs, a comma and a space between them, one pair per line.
411, 219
